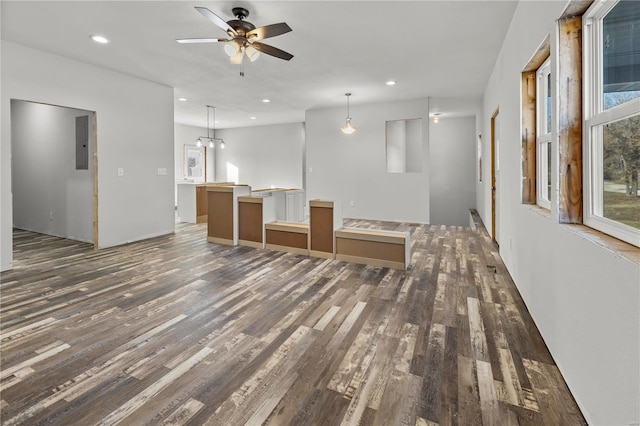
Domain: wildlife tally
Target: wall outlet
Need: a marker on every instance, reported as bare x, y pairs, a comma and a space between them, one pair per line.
51, 216
120, 171
310, 169
162, 171
352, 203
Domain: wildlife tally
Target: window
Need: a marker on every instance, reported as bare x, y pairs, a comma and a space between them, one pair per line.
612, 119
543, 132
536, 121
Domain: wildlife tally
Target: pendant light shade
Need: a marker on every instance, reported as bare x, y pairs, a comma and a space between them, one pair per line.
348, 128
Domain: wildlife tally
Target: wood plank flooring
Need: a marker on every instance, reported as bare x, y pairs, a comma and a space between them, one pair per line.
178, 331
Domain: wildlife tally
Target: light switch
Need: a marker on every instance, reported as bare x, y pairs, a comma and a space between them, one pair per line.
162, 171
120, 171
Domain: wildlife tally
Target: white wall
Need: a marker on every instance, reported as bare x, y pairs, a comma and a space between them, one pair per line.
414, 145
353, 168
452, 170
49, 195
265, 156
583, 297
134, 132
187, 135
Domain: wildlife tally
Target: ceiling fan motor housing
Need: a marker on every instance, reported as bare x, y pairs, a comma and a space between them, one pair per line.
241, 27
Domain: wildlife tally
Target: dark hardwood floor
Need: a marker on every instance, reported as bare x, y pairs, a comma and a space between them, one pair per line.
175, 330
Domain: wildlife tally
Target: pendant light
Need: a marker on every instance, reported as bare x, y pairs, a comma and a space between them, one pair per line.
212, 140
348, 128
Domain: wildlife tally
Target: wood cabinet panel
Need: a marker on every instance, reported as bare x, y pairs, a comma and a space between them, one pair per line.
250, 221
201, 203
220, 215
321, 219
287, 239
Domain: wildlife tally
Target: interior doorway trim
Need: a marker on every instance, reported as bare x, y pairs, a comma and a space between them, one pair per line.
493, 173
94, 126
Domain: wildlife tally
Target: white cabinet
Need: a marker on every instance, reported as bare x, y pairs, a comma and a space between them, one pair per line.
294, 205
289, 203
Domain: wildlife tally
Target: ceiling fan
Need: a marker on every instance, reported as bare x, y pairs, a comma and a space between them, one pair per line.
244, 36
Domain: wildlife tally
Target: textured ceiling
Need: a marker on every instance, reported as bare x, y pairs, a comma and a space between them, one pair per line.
431, 48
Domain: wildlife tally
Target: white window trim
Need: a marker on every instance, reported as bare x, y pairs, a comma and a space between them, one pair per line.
594, 117
543, 137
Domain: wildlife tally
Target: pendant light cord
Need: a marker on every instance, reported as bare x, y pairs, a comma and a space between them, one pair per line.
208, 122
214, 122
348, 110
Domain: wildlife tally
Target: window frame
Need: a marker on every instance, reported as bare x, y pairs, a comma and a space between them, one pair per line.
529, 129
544, 138
595, 118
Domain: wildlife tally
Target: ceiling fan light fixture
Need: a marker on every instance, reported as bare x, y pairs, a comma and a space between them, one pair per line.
348, 128
244, 36
236, 59
252, 53
230, 49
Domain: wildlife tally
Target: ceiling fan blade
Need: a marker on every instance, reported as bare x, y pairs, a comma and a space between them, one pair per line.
199, 40
273, 51
268, 31
218, 21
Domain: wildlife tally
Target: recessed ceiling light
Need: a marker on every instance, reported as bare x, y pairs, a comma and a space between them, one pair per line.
253, 118
266, 101
100, 39
391, 82
182, 99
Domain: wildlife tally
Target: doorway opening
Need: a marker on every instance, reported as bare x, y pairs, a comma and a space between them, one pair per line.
54, 170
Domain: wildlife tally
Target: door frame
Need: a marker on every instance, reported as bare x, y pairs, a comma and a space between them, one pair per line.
493, 173
94, 119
